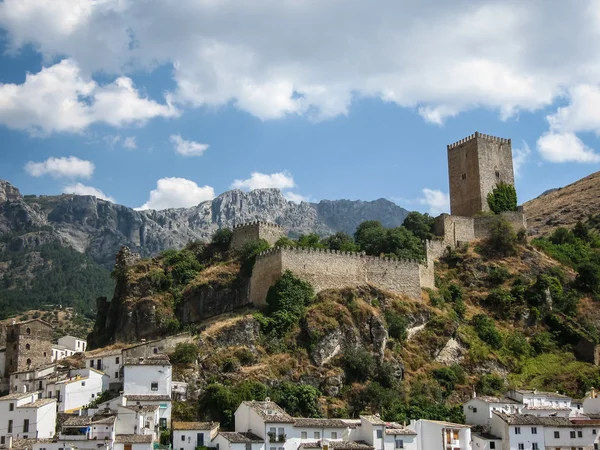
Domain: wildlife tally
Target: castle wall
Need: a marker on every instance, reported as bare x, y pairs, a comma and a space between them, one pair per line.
434, 249
334, 270
482, 224
454, 229
247, 232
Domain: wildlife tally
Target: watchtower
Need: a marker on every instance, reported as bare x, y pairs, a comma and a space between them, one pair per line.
476, 164
270, 232
28, 345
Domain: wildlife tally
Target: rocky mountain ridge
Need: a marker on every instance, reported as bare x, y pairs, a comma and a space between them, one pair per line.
99, 228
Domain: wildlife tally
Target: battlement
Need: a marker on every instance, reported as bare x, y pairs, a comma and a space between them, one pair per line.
349, 255
258, 223
478, 135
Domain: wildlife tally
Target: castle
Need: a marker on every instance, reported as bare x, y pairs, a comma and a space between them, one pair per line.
476, 165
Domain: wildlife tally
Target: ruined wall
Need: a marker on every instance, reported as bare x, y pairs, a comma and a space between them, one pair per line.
482, 224
270, 232
476, 164
434, 249
28, 345
331, 269
454, 229
157, 346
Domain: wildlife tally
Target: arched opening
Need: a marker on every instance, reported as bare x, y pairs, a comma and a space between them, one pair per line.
28, 361
28, 347
28, 331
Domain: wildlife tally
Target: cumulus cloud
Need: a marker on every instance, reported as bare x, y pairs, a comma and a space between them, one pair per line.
565, 147
437, 201
294, 197
66, 167
187, 148
61, 98
280, 180
130, 143
520, 157
82, 189
277, 58
177, 193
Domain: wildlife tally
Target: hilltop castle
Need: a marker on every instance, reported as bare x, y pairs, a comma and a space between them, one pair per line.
476, 165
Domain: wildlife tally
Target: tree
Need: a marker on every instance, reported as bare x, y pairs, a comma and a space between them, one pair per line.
297, 399
487, 331
502, 239
341, 241
222, 238
358, 364
421, 225
250, 251
370, 237
588, 277
185, 353
401, 243
502, 198
312, 240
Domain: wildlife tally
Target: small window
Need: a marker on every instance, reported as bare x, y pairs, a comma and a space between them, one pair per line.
93, 395
474, 410
117, 360
533, 430
464, 176
92, 363
11, 407
317, 435
28, 361
596, 447
572, 435
2, 440
28, 331
399, 443
497, 174
83, 383
248, 446
183, 438
154, 386
25, 426
521, 446
334, 435
44, 354
534, 446
379, 434
580, 434
594, 431
304, 435
155, 350
28, 347
556, 435
10, 423
517, 430
492, 446
116, 374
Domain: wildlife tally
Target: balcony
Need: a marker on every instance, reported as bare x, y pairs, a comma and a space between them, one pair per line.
277, 437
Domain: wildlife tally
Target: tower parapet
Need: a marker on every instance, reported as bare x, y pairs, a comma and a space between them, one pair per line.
249, 231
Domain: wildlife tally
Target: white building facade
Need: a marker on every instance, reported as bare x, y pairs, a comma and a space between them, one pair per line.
25, 416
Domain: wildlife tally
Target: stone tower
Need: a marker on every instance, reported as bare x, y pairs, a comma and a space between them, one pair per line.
476, 164
28, 345
247, 232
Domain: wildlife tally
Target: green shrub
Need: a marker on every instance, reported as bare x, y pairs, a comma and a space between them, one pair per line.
543, 342
341, 241
449, 377
250, 251
588, 277
222, 239
501, 301
498, 275
502, 198
517, 344
486, 330
397, 325
244, 356
231, 364
358, 364
421, 225
297, 399
502, 239
490, 384
185, 353
159, 281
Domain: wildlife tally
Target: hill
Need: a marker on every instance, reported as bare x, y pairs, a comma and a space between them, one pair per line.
563, 206
59, 249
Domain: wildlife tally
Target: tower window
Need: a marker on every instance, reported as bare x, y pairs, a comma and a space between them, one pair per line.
464, 176
28, 361
497, 174
28, 347
28, 331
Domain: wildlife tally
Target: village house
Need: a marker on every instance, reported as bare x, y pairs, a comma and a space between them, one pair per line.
190, 435
108, 361
81, 387
24, 415
73, 344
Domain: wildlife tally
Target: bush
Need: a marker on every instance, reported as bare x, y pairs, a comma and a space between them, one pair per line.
502, 239
421, 225
185, 353
517, 344
231, 364
250, 251
490, 384
358, 364
342, 242
397, 325
487, 331
498, 275
588, 277
297, 399
449, 377
501, 301
502, 198
222, 239
543, 342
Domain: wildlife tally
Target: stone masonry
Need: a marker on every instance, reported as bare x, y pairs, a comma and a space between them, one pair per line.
247, 232
28, 345
476, 164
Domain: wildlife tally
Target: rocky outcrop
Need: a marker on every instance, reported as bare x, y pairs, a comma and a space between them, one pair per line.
328, 347
452, 353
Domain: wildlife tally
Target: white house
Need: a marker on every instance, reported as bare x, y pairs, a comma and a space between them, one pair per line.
320, 429
147, 381
24, 415
543, 400
266, 420
485, 441
189, 435
138, 419
32, 380
60, 352
385, 435
591, 404
179, 390
133, 442
238, 441
108, 361
439, 435
478, 410
82, 387
73, 343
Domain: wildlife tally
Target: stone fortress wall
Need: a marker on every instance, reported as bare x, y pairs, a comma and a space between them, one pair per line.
250, 231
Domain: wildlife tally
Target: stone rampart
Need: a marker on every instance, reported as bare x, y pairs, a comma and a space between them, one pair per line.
482, 224
457, 230
330, 269
247, 232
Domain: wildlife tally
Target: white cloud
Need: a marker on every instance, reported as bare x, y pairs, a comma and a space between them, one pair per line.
280, 180
565, 147
187, 148
82, 189
294, 197
61, 98
520, 157
129, 143
177, 193
66, 167
275, 58
437, 201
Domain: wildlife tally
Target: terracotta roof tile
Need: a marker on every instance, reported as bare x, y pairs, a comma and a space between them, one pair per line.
194, 425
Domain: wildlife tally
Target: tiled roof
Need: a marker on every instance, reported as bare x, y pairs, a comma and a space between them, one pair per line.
100, 353
241, 438
142, 408
22, 444
542, 393
374, 420
133, 439
527, 419
319, 423
338, 445
491, 399
487, 436
156, 360
77, 421
547, 408
397, 429
16, 396
194, 425
447, 424
270, 412
145, 398
38, 403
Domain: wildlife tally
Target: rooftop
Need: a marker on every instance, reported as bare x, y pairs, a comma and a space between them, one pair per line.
133, 439
155, 360
527, 419
320, 423
194, 425
22, 444
38, 403
397, 429
542, 393
16, 396
142, 408
492, 399
339, 445
546, 408
373, 419
241, 438
487, 436
146, 398
447, 424
270, 411
101, 352
77, 421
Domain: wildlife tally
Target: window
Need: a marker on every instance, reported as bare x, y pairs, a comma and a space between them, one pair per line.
280, 434
517, 430
521, 447
474, 410
399, 443
40, 386
580, 434
154, 386
334, 435
25, 425
28, 331
572, 434
464, 176
492, 446
248, 446
497, 174
49, 394
2, 440
10, 426
92, 363
28, 361
163, 422
304, 435
27, 347
556, 435
593, 431
11, 407
595, 446
93, 395
272, 448
155, 349
533, 430
534, 446
317, 435
116, 374
83, 383
117, 360
379, 434
183, 438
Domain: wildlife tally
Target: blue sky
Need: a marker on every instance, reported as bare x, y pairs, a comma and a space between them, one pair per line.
161, 104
